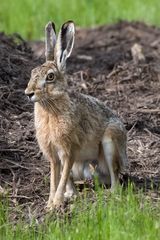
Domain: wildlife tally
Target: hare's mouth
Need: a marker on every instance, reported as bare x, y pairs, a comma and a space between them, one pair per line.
31, 96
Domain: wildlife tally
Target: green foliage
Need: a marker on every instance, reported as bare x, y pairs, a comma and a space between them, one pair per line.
121, 215
29, 17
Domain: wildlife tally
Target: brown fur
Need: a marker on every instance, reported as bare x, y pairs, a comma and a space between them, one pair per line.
72, 129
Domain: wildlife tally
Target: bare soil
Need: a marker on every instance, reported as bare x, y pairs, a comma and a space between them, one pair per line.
104, 64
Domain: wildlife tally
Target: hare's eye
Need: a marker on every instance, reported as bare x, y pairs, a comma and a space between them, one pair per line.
50, 77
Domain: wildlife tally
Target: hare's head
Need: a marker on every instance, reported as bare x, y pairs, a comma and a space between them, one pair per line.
48, 80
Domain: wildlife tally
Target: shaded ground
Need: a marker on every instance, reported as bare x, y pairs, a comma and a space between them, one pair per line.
104, 64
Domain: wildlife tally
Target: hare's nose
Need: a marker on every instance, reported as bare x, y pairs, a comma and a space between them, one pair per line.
29, 95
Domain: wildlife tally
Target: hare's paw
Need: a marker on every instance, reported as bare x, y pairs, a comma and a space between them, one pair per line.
70, 194
49, 204
54, 205
58, 202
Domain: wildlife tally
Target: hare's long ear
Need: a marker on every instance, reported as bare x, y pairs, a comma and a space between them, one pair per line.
64, 44
50, 41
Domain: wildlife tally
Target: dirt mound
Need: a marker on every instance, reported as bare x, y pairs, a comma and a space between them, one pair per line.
118, 64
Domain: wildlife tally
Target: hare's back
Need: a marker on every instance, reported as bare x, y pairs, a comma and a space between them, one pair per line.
86, 104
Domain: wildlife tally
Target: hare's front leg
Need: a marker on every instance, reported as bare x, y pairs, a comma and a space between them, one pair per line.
67, 166
54, 180
70, 189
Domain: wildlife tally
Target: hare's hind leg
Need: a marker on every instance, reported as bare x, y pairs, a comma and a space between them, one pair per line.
102, 168
113, 143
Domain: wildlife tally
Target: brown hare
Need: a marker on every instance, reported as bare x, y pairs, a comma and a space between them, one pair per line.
72, 129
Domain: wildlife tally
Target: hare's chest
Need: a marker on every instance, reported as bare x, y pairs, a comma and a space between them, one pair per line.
50, 130
42, 131
59, 130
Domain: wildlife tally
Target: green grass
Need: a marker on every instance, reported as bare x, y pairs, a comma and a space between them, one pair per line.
123, 215
28, 17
